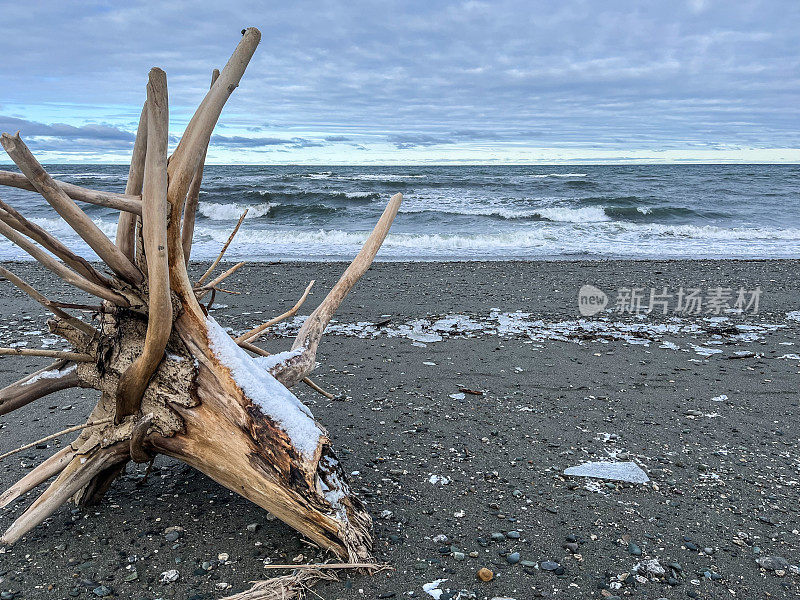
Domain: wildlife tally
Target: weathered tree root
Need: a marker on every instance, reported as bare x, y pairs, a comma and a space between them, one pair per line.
171, 380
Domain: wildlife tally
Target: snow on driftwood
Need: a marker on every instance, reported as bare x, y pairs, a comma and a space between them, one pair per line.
266, 392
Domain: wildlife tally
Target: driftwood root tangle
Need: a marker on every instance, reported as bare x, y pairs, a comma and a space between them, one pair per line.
171, 380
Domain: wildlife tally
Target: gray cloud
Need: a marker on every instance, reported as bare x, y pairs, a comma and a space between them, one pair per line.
26, 128
621, 74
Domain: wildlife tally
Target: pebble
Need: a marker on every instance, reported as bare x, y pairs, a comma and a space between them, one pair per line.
253, 527
513, 558
549, 565
572, 547
773, 563
6, 595
485, 574
513, 535
459, 555
634, 550
498, 537
691, 546
102, 591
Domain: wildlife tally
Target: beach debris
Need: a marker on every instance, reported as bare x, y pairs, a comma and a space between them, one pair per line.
458, 396
471, 392
485, 574
720, 398
616, 471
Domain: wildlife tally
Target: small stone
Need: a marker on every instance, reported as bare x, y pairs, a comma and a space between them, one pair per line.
101, 591
691, 546
253, 527
513, 558
459, 555
513, 535
498, 537
485, 574
773, 563
708, 550
223, 557
634, 549
572, 547
6, 595
549, 565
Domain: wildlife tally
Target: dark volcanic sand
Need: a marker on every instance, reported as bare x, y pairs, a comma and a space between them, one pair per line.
547, 406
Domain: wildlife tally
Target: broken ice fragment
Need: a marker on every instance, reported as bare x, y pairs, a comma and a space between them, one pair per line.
617, 471
432, 588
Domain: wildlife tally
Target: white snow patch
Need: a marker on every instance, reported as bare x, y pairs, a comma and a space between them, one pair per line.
269, 362
793, 315
266, 392
54, 374
458, 396
440, 479
720, 398
789, 357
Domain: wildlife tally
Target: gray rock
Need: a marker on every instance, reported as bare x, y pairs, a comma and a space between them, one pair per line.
616, 471
513, 558
773, 563
253, 527
102, 591
634, 550
549, 565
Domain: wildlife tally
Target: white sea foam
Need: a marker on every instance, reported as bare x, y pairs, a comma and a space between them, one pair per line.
232, 211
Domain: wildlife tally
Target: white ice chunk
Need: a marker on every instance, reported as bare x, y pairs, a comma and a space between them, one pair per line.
617, 471
432, 588
266, 392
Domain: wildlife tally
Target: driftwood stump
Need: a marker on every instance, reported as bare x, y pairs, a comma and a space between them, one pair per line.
171, 380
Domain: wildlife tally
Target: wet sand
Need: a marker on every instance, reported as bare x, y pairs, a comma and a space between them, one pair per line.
724, 471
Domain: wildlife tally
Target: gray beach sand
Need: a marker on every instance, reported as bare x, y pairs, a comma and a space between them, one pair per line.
457, 481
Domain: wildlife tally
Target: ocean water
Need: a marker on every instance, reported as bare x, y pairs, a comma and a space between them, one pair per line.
472, 213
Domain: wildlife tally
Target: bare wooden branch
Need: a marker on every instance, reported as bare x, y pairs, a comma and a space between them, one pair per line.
53, 436
59, 269
297, 367
126, 226
193, 198
214, 264
187, 156
53, 306
62, 354
134, 380
69, 211
124, 202
219, 279
13, 218
254, 333
41, 473
78, 473
58, 376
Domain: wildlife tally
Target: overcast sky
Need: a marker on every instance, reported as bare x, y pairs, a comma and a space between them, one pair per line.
416, 81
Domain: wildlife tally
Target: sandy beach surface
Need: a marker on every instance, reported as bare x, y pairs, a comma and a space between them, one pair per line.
457, 481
